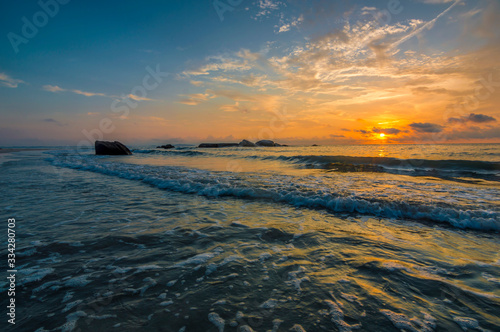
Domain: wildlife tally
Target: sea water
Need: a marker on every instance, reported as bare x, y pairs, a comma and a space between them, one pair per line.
337, 238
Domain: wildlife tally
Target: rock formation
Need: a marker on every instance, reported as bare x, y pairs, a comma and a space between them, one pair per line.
111, 148
166, 146
246, 143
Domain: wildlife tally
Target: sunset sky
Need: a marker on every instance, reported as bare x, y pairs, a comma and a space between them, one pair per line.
299, 72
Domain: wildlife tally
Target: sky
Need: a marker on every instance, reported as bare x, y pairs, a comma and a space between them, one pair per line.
296, 72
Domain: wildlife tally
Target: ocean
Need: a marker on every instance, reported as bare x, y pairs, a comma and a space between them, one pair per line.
326, 238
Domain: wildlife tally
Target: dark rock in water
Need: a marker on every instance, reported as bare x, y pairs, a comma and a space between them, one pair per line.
315, 145
217, 145
267, 142
246, 143
111, 148
167, 146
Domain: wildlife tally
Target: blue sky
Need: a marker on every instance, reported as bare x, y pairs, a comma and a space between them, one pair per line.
336, 68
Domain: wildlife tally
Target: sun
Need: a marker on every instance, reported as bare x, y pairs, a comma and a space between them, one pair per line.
382, 135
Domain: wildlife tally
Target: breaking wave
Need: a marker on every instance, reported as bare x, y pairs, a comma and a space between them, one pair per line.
390, 200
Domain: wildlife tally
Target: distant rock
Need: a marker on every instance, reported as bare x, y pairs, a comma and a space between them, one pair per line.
265, 142
217, 145
315, 145
111, 148
246, 143
268, 143
167, 146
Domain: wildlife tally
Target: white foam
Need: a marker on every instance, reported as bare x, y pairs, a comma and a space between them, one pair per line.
265, 256
143, 268
414, 324
71, 305
196, 260
71, 320
150, 283
171, 283
393, 266
276, 324
490, 278
79, 281
269, 304
338, 317
108, 294
68, 296
297, 328
295, 280
26, 252
351, 298
166, 303
385, 200
33, 274
46, 285
118, 269
466, 323
211, 268
53, 258
215, 319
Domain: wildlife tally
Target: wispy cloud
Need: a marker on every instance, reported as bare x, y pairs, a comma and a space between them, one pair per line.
284, 27
138, 98
195, 98
88, 94
55, 88
266, 7
234, 108
53, 121
7, 81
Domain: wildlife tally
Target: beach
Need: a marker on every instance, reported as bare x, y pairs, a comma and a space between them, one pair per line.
257, 166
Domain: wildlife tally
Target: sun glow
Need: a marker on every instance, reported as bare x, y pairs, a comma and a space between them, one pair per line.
382, 135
